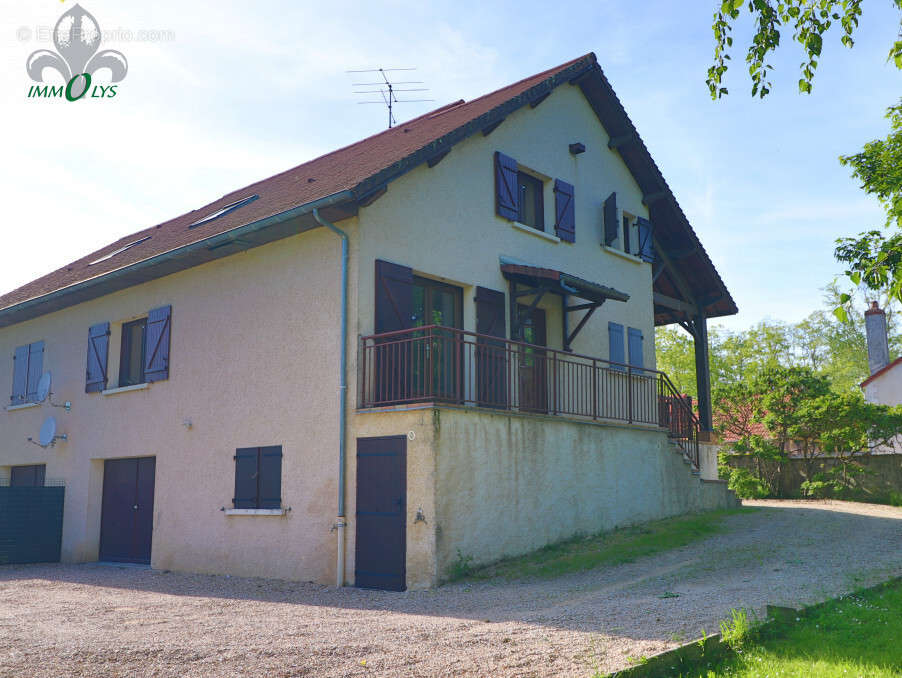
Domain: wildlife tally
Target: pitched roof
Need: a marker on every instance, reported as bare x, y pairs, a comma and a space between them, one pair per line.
879, 373
339, 183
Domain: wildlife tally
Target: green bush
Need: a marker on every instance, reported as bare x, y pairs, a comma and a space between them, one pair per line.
895, 498
817, 488
745, 484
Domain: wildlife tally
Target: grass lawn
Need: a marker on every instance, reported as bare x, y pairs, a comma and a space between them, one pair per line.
856, 635
608, 548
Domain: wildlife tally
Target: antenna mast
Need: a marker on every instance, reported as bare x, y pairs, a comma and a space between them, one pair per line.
388, 90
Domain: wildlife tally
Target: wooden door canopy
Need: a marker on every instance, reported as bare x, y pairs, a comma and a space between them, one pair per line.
533, 281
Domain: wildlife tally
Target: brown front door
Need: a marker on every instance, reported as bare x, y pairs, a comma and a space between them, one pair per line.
533, 361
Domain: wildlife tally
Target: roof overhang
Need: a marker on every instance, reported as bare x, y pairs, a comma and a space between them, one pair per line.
879, 373
291, 222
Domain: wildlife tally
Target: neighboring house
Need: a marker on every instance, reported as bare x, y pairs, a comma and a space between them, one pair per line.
506, 262
884, 385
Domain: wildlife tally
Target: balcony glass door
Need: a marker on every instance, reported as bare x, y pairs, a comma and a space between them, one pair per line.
532, 367
436, 363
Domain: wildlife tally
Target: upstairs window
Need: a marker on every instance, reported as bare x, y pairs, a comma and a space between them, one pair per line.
119, 251
132, 357
28, 366
627, 227
532, 204
224, 210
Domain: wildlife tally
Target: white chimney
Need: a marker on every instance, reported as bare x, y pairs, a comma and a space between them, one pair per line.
878, 345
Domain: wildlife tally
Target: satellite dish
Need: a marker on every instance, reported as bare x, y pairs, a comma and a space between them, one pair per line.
48, 432
44, 387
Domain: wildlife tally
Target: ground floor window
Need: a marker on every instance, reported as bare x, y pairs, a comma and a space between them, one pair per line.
258, 478
27, 476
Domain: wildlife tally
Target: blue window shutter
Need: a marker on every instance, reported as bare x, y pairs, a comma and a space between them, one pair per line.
615, 343
646, 242
635, 347
20, 375
35, 369
246, 473
156, 344
98, 353
270, 485
564, 211
611, 224
507, 195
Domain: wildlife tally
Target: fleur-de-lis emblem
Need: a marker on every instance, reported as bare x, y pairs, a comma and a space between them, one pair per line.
77, 37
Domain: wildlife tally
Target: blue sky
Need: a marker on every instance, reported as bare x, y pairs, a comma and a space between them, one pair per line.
238, 91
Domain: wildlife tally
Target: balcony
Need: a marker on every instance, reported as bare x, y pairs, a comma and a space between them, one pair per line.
445, 365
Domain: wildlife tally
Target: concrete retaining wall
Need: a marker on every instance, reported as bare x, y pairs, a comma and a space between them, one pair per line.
508, 484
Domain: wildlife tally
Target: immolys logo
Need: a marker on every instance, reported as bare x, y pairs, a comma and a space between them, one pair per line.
77, 38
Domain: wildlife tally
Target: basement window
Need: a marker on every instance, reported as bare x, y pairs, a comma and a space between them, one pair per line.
231, 207
119, 251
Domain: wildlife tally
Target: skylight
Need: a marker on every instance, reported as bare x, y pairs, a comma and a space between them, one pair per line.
225, 210
119, 251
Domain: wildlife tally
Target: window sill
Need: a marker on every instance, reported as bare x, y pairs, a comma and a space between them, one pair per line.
23, 406
125, 389
256, 512
623, 255
535, 232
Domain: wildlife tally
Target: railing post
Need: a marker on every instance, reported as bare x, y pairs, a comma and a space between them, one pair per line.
594, 389
629, 393
554, 378
363, 400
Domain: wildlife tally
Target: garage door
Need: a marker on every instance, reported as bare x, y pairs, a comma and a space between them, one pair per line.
126, 522
381, 513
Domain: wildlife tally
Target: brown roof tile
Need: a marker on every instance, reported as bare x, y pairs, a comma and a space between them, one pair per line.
343, 169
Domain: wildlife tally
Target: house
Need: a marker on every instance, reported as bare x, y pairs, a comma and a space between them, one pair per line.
435, 341
884, 385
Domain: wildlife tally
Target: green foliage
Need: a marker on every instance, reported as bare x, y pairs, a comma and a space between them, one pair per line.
879, 167
461, 568
895, 498
874, 258
809, 20
787, 411
736, 631
610, 548
744, 483
830, 347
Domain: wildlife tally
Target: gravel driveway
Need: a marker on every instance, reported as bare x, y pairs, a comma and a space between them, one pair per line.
102, 620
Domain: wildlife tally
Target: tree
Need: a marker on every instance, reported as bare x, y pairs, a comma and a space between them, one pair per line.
873, 258
835, 348
810, 21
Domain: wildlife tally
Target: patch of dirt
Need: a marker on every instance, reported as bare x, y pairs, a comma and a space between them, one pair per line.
101, 620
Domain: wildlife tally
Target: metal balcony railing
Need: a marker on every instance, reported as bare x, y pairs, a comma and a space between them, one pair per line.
447, 365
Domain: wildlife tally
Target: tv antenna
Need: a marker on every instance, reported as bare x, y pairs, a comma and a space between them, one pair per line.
387, 89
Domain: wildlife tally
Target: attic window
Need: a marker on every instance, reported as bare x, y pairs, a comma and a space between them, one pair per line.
119, 251
225, 210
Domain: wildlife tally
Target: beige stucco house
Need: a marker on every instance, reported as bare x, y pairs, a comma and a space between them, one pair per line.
436, 341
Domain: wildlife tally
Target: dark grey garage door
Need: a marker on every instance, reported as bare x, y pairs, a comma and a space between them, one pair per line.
381, 513
31, 520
